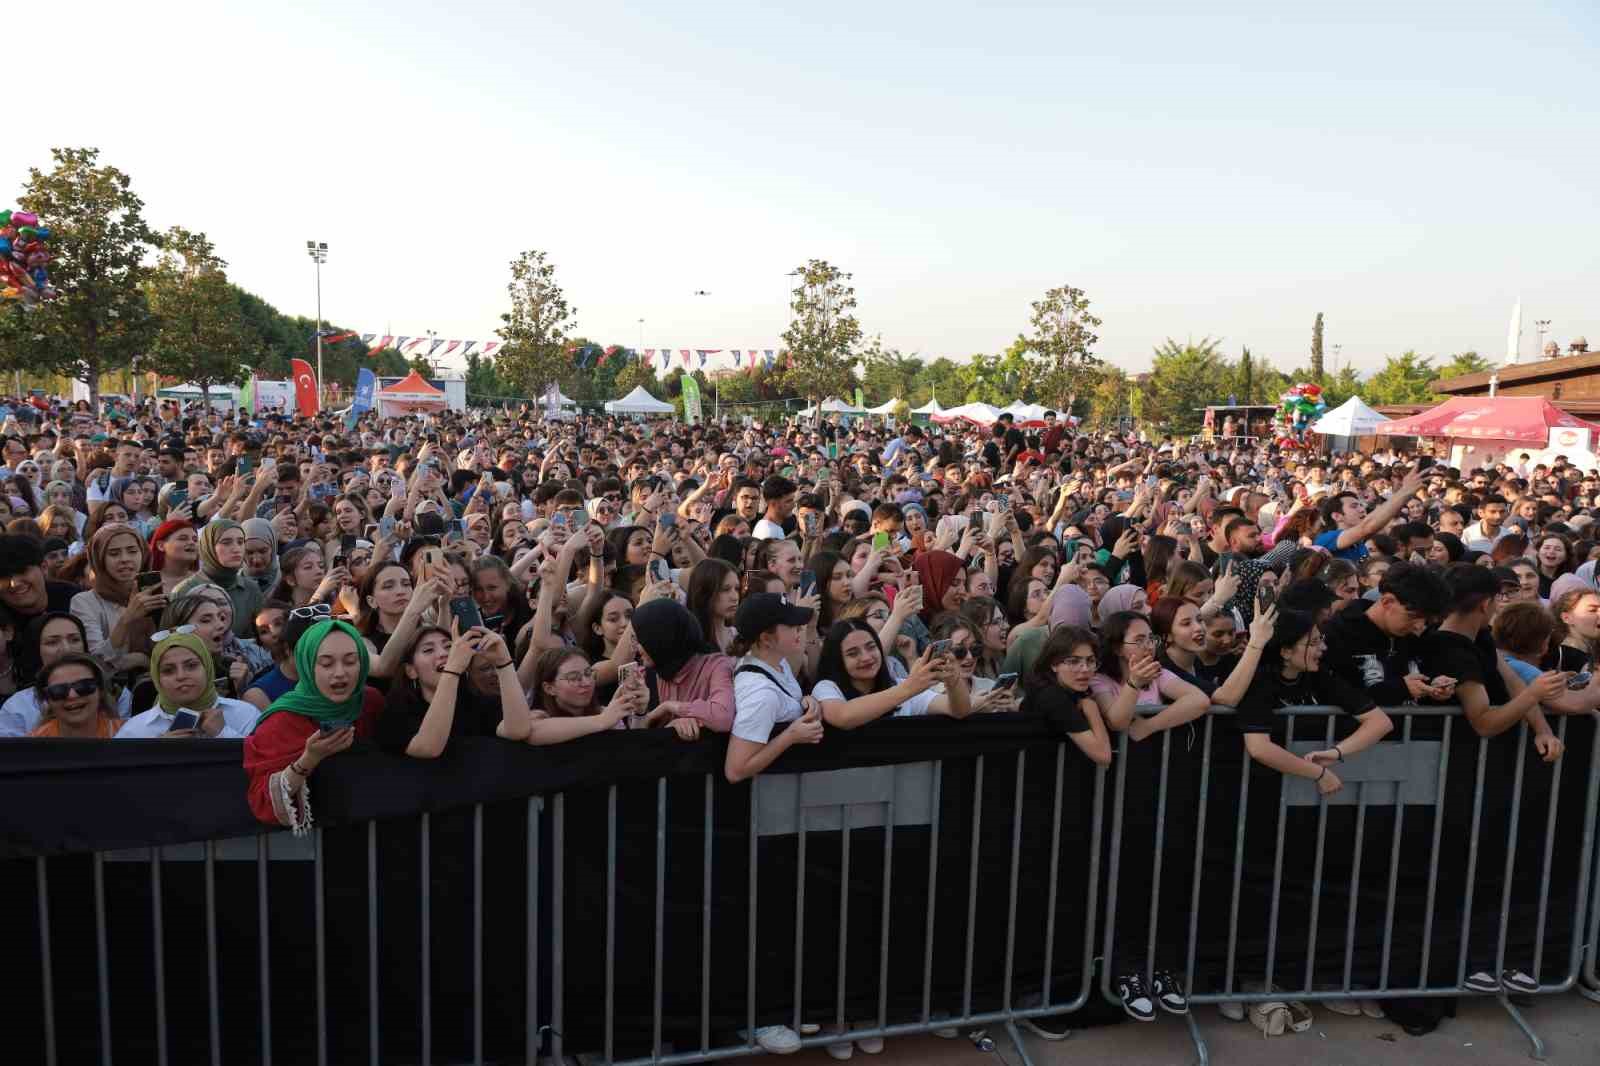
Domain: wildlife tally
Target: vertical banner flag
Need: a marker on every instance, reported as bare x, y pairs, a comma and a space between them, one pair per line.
305, 388
366, 385
488, 349
649, 356
735, 357
685, 353
691, 399
858, 397
552, 401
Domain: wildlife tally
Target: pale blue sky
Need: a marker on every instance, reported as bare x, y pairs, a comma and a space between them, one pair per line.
1226, 169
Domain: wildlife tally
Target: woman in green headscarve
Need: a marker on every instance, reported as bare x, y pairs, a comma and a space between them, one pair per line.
221, 560
315, 719
180, 667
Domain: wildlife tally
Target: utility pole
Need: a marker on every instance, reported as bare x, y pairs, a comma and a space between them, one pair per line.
318, 251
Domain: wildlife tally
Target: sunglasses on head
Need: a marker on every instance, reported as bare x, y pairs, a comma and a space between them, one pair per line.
81, 687
312, 610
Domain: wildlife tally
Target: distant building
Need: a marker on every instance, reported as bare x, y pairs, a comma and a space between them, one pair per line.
1572, 380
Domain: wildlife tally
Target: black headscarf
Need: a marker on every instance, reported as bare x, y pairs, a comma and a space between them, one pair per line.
26, 653
670, 634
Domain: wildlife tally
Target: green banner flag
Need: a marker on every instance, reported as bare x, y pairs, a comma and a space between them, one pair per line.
691, 399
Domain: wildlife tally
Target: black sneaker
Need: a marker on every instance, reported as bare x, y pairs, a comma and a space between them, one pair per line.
1135, 1000
1169, 992
1517, 981
1481, 981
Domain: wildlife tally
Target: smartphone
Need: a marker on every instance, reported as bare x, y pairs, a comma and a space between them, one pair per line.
148, 579
880, 542
939, 648
347, 542
627, 672
808, 582
338, 560
579, 520
1579, 680
178, 498
833, 450
242, 465
455, 527
1002, 503
268, 463
495, 622
329, 728
183, 718
1265, 595
464, 609
659, 571
666, 520
558, 521
1004, 681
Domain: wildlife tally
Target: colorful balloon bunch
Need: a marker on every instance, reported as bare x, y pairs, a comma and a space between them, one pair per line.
23, 258
1301, 404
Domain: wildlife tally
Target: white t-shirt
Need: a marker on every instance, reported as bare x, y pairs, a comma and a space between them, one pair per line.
916, 705
764, 697
238, 719
766, 529
21, 712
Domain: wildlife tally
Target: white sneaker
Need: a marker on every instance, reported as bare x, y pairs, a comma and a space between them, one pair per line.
842, 1051
778, 1039
872, 1045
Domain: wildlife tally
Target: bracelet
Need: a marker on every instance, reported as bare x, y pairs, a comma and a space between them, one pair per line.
294, 768
452, 673
1256, 647
1339, 752
502, 666
1320, 776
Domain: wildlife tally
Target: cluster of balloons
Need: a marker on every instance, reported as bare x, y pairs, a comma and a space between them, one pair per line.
1301, 405
23, 258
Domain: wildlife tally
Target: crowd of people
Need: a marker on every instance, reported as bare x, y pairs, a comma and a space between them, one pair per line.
307, 585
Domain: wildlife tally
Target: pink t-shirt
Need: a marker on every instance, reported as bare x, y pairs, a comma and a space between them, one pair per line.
1101, 685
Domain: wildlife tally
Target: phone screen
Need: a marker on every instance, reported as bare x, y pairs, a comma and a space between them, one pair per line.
880, 542
808, 582
183, 719
464, 609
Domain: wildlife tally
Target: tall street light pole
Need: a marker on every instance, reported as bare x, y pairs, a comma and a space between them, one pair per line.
318, 251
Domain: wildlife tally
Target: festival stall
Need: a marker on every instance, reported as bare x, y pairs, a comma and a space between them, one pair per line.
1484, 430
980, 414
638, 402
833, 406
886, 408
410, 395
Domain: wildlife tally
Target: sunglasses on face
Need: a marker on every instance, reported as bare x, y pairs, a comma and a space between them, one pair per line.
81, 687
312, 610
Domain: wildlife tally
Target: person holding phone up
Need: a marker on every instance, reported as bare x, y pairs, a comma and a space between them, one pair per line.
187, 704
434, 702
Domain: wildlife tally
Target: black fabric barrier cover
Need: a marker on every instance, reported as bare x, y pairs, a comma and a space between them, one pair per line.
59, 797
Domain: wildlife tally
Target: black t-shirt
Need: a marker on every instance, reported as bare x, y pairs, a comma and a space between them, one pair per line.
1365, 656
1206, 677
1061, 707
1566, 657
1465, 659
401, 720
1257, 712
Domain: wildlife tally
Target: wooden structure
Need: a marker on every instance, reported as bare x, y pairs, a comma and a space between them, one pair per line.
1571, 381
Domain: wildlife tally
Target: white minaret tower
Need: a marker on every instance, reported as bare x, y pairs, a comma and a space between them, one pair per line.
1514, 334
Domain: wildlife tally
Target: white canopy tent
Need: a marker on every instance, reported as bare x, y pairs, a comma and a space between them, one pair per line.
1350, 419
886, 408
930, 408
1026, 412
639, 402
834, 406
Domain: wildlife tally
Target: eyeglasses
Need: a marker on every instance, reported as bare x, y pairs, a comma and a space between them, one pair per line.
162, 634
1086, 662
576, 677
312, 610
1140, 642
81, 687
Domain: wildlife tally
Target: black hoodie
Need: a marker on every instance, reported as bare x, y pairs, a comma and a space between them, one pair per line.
1361, 654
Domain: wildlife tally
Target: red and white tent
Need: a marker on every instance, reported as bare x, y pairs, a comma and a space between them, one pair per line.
1515, 419
410, 395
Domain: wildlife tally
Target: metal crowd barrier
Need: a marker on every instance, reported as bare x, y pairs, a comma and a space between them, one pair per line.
822, 810
1397, 774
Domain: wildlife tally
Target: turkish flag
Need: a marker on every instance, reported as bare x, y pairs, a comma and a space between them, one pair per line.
305, 387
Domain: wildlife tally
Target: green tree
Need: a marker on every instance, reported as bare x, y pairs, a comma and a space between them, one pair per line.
99, 242
1110, 401
1404, 378
634, 373
277, 338
1183, 380
1061, 343
888, 373
823, 333
201, 337
1468, 362
534, 354
938, 379
1246, 378
1316, 349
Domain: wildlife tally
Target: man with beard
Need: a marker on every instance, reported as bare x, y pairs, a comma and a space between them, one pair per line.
1246, 561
